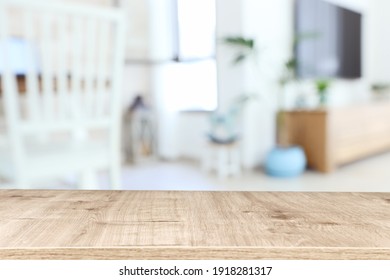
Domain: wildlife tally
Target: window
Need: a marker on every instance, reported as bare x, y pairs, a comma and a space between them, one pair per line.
195, 52
196, 29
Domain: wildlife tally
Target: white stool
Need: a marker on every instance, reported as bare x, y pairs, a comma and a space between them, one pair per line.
225, 159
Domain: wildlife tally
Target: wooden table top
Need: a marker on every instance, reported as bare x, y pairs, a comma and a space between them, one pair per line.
193, 225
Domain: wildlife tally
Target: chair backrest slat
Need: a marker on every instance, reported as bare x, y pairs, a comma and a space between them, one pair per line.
32, 92
76, 57
90, 64
47, 77
102, 69
62, 55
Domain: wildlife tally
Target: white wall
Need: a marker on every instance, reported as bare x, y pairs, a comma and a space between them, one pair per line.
138, 24
378, 21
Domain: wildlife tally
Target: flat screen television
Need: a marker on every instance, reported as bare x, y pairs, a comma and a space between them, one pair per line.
333, 50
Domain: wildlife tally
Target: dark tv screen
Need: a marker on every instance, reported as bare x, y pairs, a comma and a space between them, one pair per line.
333, 47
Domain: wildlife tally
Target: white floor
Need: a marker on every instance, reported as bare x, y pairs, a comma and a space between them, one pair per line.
369, 175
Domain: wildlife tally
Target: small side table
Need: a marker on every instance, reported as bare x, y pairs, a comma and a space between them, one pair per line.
225, 159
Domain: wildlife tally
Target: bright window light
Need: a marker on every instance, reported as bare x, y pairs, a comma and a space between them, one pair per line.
192, 86
196, 29
196, 74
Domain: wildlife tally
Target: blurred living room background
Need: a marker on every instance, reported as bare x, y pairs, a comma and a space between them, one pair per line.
282, 95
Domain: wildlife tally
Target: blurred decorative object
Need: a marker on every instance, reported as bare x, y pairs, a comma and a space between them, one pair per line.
222, 151
222, 128
322, 87
285, 162
380, 90
139, 139
52, 130
225, 126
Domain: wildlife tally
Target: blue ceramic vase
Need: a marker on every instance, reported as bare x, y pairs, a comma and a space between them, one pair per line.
286, 162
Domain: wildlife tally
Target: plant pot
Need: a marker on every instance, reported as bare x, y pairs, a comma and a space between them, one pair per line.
286, 162
322, 98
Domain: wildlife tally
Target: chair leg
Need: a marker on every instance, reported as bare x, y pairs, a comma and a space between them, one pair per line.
223, 164
206, 159
236, 161
88, 180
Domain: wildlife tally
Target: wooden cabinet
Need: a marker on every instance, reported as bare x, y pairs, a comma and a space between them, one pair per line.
333, 137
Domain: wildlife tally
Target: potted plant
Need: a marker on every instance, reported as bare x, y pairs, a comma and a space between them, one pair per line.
224, 125
380, 89
283, 160
286, 160
245, 47
288, 77
322, 87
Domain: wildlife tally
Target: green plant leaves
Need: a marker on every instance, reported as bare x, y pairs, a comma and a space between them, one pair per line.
239, 58
322, 85
239, 41
245, 46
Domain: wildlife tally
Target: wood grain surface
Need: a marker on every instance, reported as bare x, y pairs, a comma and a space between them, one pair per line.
38, 224
310, 129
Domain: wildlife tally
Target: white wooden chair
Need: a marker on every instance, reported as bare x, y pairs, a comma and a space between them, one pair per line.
74, 90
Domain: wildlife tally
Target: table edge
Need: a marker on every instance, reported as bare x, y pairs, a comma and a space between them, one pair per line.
195, 253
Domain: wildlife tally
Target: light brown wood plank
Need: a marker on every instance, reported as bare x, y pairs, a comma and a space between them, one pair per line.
309, 129
193, 225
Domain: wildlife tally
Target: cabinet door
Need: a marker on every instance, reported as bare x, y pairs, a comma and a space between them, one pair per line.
309, 129
360, 131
